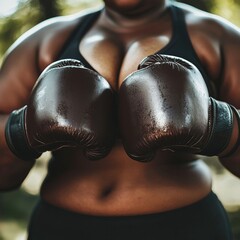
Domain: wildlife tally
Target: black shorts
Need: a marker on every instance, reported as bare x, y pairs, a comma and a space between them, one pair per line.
203, 220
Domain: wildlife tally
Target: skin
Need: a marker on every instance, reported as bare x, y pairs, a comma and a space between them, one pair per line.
125, 33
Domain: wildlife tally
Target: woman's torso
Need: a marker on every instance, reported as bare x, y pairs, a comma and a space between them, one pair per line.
118, 185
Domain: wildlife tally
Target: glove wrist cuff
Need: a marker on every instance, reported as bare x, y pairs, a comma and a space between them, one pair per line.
237, 144
221, 128
16, 138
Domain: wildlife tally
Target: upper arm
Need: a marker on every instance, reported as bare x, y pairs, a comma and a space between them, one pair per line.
18, 73
230, 82
28, 57
217, 44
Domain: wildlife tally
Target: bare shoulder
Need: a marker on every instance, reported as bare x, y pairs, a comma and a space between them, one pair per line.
208, 22
30, 54
46, 38
217, 43
219, 29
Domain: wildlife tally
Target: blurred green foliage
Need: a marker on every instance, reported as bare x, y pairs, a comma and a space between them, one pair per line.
15, 211
235, 223
17, 205
31, 12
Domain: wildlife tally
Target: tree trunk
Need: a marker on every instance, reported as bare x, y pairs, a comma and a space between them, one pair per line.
49, 8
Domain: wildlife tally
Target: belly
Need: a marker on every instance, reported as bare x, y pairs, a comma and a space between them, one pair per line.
118, 185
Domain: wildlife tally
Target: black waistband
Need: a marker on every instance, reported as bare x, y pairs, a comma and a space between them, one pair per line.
205, 219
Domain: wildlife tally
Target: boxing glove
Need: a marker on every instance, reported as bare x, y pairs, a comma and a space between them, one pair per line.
165, 105
69, 106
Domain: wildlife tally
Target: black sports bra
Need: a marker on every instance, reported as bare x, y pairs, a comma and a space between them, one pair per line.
180, 44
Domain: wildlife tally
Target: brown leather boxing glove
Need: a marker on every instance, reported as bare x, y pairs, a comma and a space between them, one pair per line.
165, 105
70, 106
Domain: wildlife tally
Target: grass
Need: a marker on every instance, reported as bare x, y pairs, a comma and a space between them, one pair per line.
235, 223
15, 211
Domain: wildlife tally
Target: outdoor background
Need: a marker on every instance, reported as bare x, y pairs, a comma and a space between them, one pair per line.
16, 17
